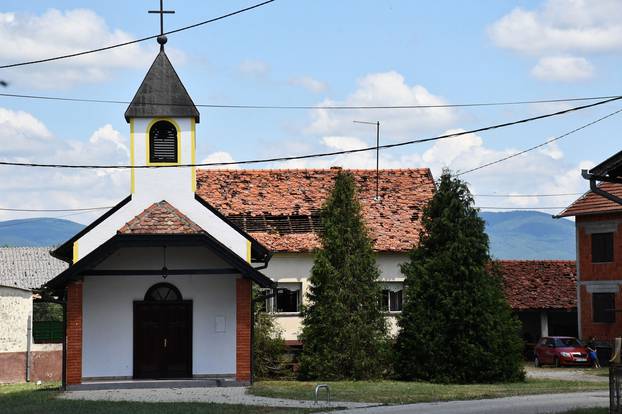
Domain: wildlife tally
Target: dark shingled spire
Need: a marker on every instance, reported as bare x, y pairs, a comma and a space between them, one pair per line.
161, 94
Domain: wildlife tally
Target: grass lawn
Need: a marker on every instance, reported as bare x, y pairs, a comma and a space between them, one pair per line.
28, 399
602, 410
395, 392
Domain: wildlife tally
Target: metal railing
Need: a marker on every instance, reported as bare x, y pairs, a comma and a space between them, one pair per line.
317, 391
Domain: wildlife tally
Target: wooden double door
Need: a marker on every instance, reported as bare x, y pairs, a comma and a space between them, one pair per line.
162, 339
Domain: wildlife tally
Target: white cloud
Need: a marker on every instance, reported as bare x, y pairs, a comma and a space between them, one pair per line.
24, 187
220, 156
30, 37
552, 150
563, 68
558, 29
254, 67
585, 26
309, 84
378, 89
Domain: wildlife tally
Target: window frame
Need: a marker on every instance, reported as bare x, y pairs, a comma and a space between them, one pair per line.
603, 312
384, 288
607, 254
148, 142
272, 303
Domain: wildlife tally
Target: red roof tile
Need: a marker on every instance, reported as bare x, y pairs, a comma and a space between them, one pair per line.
160, 218
539, 284
280, 207
591, 203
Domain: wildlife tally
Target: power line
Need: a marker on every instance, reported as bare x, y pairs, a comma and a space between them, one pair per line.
528, 195
54, 210
516, 154
522, 208
306, 107
101, 49
326, 154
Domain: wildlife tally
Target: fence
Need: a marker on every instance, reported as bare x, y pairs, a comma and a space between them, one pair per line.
47, 332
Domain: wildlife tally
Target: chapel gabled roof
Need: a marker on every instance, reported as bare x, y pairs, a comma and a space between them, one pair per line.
161, 94
161, 218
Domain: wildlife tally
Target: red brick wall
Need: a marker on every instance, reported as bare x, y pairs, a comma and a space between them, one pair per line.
74, 333
589, 271
243, 330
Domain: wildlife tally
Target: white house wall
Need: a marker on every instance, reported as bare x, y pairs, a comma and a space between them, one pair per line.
108, 313
15, 308
297, 268
152, 185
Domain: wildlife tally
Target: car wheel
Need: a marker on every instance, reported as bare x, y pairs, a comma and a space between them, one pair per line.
556, 362
536, 362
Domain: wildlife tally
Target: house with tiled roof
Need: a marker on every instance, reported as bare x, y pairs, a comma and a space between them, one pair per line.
29, 350
598, 223
543, 295
280, 209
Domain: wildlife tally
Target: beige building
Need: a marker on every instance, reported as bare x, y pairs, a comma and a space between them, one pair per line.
280, 208
22, 358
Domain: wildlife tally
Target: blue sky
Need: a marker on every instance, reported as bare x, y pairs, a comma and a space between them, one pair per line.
309, 53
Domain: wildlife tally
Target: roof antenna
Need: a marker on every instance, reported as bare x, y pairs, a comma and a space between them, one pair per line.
162, 39
377, 123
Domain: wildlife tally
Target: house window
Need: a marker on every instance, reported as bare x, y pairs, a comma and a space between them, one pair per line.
603, 307
163, 143
392, 296
288, 299
602, 247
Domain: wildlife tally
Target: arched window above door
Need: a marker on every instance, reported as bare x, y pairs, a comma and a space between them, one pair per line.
163, 292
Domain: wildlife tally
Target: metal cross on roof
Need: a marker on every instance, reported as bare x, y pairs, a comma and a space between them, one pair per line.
162, 39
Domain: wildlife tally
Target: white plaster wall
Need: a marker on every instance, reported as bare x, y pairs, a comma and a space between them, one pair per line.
156, 184
15, 308
108, 322
286, 267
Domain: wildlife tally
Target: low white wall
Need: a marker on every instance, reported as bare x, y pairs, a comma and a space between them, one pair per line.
108, 312
297, 268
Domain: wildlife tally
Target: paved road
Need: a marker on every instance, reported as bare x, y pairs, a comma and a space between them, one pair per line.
528, 404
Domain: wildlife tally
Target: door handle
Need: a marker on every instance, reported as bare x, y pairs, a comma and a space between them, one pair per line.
165, 342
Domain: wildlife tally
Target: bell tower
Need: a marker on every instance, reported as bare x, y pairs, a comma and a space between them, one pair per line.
162, 119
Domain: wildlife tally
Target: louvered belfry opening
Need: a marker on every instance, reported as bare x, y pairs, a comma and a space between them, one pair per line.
163, 142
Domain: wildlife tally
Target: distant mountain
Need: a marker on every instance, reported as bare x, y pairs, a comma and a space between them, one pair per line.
513, 234
37, 231
529, 235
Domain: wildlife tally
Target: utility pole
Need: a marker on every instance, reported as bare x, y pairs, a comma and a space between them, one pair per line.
377, 123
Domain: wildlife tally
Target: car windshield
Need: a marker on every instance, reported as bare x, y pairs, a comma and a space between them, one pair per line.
567, 343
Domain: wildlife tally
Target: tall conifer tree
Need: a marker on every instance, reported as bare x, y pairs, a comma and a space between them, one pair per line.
344, 330
456, 325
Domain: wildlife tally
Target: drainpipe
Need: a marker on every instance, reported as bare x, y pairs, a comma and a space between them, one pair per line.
28, 340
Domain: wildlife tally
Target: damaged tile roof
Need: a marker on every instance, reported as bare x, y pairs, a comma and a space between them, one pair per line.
280, 208
592, 203
539, 284
160, 218
28, 267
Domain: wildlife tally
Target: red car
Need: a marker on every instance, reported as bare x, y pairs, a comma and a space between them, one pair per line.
560, 351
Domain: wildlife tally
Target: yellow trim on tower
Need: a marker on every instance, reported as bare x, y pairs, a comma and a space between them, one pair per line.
172, 121
75, 252
193, 149
248, 251
132, 178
